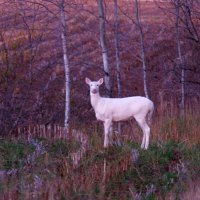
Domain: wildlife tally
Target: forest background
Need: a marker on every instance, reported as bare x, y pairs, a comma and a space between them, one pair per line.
145, 48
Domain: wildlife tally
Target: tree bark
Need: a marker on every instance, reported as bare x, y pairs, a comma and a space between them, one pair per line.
143, 56
181, 62
117, 49
102, 31
118, 68
66, 63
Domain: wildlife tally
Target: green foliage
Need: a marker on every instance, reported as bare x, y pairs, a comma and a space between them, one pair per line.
156, 168
168, 179
192, 157
62, 147
12, 153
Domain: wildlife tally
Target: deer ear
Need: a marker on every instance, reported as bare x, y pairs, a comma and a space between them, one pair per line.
100, 81
87, 80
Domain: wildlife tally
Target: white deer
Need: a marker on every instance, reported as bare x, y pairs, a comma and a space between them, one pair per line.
120, 109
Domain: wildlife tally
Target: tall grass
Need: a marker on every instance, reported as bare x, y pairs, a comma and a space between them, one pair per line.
168, 125
106, 174
77, 166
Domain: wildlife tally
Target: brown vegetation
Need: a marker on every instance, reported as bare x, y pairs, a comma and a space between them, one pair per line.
32, 81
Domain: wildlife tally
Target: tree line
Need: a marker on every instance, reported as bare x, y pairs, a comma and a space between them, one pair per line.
48, 47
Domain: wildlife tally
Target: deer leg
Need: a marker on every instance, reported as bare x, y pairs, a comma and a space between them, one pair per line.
147, 136
107, 125
110, 133
143, 141
146, 132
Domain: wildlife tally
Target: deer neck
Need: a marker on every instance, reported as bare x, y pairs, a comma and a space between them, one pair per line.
94, 99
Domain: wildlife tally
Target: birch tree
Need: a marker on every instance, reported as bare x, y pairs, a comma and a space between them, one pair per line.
143, 56
61, 5
102, 31
177, 5
66, 63
119, 92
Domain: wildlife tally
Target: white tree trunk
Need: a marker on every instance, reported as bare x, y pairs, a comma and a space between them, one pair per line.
117, 49
181, 62
66, 64
143, 57
104, 47
119, 90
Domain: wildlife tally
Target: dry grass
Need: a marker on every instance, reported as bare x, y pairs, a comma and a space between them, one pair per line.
95, 173
166, 126
192, 191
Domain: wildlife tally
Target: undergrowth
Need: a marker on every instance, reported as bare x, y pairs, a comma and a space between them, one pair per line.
13, 153
122, 171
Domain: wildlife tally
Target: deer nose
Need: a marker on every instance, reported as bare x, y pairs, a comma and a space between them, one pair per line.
94, 91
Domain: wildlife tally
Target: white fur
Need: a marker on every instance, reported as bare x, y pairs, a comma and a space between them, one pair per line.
120, 109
